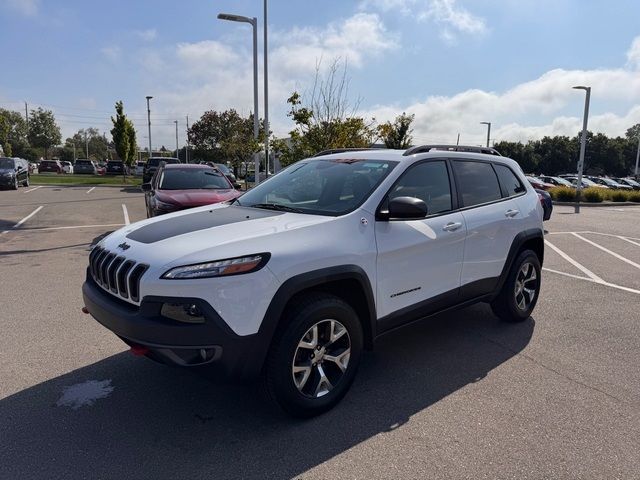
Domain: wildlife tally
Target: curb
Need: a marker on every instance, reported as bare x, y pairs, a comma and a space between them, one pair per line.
601, 204
83, 185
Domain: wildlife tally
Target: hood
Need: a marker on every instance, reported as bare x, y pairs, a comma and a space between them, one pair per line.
196, 198
7, 170
207, 233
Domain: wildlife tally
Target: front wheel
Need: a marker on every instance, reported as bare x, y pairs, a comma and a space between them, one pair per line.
26, 182
520, 291
15, 184
315, 355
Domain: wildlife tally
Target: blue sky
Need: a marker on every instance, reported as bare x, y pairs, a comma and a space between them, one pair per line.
452, 63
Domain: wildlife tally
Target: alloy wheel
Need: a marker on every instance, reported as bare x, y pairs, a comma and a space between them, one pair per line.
526, 286
321, 358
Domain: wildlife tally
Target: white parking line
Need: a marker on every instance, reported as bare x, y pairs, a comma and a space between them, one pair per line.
606, 284
73, 227
126, 214
630, 241
34, 188
580, 267
607, 235
620, 257
91, 189
17, 225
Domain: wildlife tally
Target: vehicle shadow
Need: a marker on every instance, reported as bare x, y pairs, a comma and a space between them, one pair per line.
161, 422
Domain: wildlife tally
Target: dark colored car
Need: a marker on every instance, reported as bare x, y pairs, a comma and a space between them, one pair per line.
628, 181
546, 202
13, 172
609, 182
84, 166
539, 184
115, 168
557, 181
152, 165
178, 187
50, 166
226, 171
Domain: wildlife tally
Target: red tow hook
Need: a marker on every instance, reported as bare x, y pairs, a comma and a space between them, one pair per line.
139, 350
85, 310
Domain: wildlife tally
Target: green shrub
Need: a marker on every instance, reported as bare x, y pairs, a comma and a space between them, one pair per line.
593, 195
562, 194
634, 196
619, 196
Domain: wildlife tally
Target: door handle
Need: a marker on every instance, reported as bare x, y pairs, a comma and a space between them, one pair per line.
452, 226
511, 213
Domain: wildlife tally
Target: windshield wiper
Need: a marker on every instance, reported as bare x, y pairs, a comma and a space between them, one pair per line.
235, 200
276, 206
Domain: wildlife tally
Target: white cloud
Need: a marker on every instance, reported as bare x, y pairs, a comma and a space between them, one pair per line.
112, 53
633, 54
545, 100
451, 16
147, 35
25, 7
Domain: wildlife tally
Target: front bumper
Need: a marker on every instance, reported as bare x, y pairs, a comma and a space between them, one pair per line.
211, 345
7, 181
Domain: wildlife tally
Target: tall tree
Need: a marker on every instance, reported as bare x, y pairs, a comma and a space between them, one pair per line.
324, 119
98, 144
633, 133
43, 130
397, 134
124, 136
224, 136
13, 132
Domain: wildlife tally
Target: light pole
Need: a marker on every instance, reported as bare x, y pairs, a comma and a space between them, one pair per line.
256, 126
177, 154
186, 148
149, 123
637, 157
86, 143
266, 96
488, 124
583, 143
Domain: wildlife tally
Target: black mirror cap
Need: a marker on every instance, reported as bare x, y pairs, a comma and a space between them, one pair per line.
407, 208
146, 187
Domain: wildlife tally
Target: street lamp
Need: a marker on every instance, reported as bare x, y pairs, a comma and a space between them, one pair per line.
177, 154
583, 143
256, 126
637, 157
488, 124
266, 96
149, 122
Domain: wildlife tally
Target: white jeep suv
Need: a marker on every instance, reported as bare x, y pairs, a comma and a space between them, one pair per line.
292, 281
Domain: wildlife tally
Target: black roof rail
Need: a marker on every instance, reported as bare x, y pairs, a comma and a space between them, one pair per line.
341, 150
451, 148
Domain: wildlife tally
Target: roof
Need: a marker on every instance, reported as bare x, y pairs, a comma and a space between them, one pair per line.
194, 166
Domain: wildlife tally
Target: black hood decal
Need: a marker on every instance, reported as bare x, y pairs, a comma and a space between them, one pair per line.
192, 222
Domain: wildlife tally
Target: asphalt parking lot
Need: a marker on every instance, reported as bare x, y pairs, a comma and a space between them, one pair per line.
460, 395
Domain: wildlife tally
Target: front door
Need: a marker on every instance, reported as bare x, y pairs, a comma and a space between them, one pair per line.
420, 261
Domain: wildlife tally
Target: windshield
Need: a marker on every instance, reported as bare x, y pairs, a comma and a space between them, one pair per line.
321, 187
83, 162
7, 163
633, 183
562, 181
192, 178
223, 168
155, 161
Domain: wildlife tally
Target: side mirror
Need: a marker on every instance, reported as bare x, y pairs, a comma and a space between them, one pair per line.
146, 187
237, 186
407, 208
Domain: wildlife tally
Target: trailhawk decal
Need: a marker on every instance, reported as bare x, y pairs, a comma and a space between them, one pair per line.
406, 291
192, 222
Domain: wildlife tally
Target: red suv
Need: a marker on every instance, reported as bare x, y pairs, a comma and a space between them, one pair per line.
50, 166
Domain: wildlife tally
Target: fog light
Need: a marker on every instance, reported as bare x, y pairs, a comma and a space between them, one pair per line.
182, 312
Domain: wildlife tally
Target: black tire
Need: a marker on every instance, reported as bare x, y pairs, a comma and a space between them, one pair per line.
26, 182
15, 184
300, 318
506, 304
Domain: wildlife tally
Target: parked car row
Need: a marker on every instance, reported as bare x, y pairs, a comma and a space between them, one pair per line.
14, 172
545, 182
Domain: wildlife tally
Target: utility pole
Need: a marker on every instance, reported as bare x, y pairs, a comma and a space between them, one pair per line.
488, 124
266, 96
583, 144
458, 140
186, 148
149, 122
86, 143
177, 153
26, 116
637, 156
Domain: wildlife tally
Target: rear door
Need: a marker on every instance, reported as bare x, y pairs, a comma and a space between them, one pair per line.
419, 261
490, 225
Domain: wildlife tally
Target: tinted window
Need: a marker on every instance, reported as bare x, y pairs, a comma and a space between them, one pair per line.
192, 178
155, 161
7, 163
427, 181
477, 182
223, 168
510, 184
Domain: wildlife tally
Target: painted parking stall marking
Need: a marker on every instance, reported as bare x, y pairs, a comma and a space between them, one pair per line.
34, 188
17, 225
126, 214
91, 189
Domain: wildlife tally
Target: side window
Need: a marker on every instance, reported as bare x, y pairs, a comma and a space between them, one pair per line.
477, 182
509, 182
428, 181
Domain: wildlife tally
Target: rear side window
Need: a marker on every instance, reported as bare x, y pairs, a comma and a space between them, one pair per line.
477, 182
428, 181
510, 183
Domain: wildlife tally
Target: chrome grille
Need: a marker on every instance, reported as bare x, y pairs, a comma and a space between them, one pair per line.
116, 274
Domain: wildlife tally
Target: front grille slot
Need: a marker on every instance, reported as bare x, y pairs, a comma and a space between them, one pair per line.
116, 274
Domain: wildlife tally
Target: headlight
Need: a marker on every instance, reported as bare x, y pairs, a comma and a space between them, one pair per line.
165, 206
7, 174
219, 268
